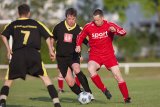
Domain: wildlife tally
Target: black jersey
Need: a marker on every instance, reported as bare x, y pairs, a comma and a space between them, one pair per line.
65, 38
26, 33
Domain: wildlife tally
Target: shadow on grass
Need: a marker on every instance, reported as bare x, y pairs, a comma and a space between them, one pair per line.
45, 99
18, 106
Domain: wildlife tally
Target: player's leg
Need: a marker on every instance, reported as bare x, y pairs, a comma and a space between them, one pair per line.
52, 90
67, 74
17, 69
77, 80
71, 82
121, 83
60, 82
5, 92
92, 68
35, 67
81, 77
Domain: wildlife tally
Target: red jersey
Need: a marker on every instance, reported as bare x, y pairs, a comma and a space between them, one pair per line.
100, 38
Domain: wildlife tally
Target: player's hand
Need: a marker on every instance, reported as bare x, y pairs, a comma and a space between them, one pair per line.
78, 49
88, 50
9, 54
81, 59
112, 29
52, 55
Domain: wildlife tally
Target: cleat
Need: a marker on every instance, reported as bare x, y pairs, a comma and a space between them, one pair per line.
107, 94
128, 100
57, 105
2, 103
92, 97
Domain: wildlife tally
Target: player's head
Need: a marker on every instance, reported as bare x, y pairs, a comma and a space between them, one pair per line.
98, 17
24, 10
71, 15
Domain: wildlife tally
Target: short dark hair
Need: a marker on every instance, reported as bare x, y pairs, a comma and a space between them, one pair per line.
71, 11
98, 12
23, 9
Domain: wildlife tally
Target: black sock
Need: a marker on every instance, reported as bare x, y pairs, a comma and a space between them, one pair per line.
76, 89
52, 91
4, 90
84, 82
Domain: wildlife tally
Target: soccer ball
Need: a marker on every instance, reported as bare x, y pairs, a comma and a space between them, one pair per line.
84, 97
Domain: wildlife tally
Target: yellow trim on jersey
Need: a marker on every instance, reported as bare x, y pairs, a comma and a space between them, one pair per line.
24, 18
7, 74
6, 26
68, 27
45, 28
26, 26
44, 70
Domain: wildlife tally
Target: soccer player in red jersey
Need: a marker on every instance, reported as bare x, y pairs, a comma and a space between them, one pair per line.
101, 33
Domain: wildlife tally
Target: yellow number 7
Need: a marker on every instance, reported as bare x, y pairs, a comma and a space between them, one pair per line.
26, 36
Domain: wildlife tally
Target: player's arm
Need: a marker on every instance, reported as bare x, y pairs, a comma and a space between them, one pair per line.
85, 41
54, 37
52, 43
5, 41
45, 32
5, 35
51, 52
82, 35
117, 30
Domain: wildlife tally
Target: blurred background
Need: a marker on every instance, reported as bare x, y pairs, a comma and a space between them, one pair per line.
140, 18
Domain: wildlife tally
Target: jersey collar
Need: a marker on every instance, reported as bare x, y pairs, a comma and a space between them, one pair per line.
23, 18
68, 27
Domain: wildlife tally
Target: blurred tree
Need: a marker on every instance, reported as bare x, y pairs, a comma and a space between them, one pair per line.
117, 6
150, 7
128, 46
43, 10
40, 9
85, 9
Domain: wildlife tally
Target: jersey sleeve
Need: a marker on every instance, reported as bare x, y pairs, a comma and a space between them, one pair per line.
54, 32
44, 31
119, 30
81, 36
7, 31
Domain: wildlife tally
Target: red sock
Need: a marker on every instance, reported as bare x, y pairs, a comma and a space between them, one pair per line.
98, 82
60, 83
123, 89
77, 81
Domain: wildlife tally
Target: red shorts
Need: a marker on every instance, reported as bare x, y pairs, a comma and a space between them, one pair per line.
104, 60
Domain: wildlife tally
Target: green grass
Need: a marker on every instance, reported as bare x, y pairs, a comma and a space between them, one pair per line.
143, 84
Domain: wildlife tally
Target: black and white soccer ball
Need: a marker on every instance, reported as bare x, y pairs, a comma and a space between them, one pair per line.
84, 97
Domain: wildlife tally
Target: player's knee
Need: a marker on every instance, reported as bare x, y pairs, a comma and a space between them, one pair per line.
46, 80
71, 83
91, 68
92, 71
76, 71
92, 74
119, 78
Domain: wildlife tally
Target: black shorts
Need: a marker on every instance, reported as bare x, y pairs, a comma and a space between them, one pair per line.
65, 62
25, 61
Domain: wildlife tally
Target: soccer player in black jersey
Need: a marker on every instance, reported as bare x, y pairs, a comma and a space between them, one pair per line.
65, 34
25, 53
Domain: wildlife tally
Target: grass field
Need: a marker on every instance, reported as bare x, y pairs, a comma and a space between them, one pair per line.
143, 84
